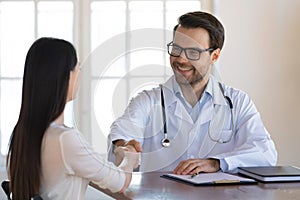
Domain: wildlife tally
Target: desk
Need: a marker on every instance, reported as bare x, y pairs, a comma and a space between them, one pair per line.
151, 186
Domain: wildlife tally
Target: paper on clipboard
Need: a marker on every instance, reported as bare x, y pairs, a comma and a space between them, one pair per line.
210, 179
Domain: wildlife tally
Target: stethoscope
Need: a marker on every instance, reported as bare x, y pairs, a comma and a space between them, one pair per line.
165, 142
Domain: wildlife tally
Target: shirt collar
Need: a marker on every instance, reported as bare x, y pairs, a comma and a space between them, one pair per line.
177, 90
212, 89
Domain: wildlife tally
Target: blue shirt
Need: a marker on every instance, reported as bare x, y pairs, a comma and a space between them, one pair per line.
194, 113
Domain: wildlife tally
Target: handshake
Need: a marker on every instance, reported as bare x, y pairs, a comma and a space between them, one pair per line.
127, 158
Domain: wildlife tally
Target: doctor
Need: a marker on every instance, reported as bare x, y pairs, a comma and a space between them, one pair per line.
192, 123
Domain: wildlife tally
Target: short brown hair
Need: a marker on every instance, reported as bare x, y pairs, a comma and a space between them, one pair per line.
206, 21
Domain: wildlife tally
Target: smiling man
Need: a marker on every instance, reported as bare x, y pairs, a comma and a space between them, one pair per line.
209, 126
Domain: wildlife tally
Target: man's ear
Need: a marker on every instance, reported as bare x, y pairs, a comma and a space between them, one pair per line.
215, 55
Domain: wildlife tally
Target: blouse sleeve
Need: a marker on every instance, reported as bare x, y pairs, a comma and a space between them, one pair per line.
81, 160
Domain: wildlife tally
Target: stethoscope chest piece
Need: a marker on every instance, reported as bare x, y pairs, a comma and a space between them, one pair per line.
165, 142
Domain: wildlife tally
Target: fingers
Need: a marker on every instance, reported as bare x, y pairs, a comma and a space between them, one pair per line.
186, 167
137, 146
120, 154
127, 156
193, 166
130, 150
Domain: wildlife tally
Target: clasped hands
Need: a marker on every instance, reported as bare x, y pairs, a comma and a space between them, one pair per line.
127, 155
189, 166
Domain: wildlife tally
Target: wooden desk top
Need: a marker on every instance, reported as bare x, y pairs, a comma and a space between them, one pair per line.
152, 186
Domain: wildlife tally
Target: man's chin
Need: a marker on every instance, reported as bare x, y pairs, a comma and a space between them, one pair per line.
181, 80
185, 82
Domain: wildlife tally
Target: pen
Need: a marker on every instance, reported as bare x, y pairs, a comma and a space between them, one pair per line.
195, 174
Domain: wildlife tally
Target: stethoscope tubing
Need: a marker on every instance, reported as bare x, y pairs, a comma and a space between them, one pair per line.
166, 142
163, 109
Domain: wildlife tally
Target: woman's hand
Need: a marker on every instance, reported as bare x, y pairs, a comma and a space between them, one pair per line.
127, 155
127, 159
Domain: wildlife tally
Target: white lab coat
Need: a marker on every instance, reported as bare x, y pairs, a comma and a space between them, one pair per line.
250, 145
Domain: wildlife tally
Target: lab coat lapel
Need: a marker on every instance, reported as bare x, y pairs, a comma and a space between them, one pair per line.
214, 110
206, 116
208, 144
173, 104
181, 113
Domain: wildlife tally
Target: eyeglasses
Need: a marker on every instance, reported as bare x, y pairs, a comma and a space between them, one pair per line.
190, 53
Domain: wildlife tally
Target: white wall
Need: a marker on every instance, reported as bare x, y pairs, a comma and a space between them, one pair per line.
262, 57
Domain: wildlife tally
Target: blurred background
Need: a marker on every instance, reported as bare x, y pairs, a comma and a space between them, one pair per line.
122, 47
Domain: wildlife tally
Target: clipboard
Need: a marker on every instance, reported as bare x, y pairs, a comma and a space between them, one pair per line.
208, 179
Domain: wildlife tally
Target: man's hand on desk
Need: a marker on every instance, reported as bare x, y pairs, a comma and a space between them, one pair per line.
193, 166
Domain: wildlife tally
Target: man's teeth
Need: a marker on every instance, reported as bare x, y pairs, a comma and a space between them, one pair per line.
184, 68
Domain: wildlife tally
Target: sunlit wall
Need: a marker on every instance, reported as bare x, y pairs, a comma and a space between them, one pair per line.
261, 57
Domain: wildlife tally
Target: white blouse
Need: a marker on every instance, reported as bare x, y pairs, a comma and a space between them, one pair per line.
69, 163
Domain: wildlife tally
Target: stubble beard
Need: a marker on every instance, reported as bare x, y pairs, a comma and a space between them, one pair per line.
195, 79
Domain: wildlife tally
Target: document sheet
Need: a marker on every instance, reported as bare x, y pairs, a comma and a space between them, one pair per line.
210, 178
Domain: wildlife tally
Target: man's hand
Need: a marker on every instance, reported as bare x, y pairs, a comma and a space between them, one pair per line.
192, 166
127, 155
130, 144
127, 159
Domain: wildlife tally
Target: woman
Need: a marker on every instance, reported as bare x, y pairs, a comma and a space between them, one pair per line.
45, 157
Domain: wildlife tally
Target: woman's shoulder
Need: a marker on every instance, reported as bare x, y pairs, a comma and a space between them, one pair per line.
58, 131
66, 137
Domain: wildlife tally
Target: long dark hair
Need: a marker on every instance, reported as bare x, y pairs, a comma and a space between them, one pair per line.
48, 64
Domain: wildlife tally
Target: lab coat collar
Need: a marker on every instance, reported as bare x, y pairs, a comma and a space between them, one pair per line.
168, 91
214, 90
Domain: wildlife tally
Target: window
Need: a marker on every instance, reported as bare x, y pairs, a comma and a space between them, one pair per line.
121, 44
21, 22
128, 55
